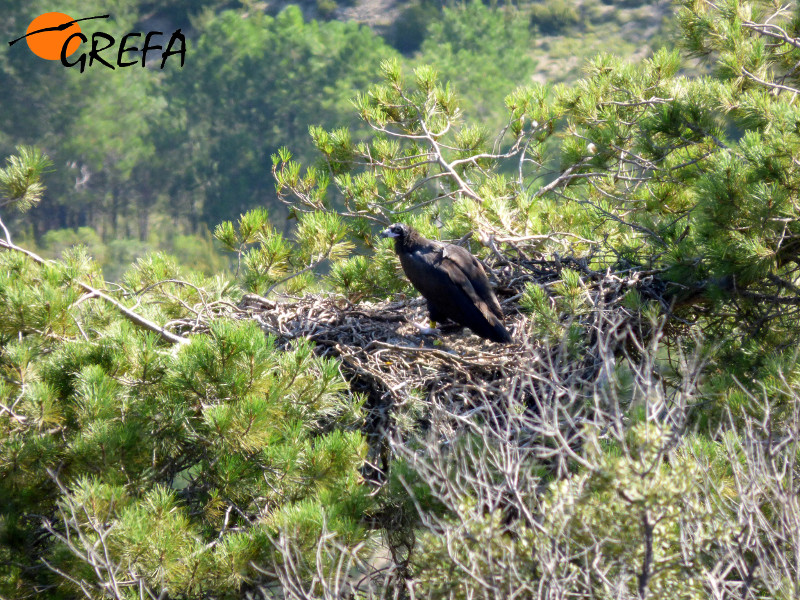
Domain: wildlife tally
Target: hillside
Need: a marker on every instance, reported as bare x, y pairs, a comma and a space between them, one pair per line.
567, 32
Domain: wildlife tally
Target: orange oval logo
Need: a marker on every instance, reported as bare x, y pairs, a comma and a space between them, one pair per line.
53, 31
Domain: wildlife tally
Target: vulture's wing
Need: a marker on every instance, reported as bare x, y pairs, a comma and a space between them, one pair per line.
442, 276
473, 271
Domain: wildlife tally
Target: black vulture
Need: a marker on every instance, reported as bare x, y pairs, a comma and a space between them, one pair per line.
451, 280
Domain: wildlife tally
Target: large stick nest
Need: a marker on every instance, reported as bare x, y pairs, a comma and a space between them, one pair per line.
385, 356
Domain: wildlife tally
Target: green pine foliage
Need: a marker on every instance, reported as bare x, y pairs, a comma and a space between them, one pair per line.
165, 457
269, 260
227, 433
20, 180
169, 452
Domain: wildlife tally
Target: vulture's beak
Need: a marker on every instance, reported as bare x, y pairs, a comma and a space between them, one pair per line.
387, 233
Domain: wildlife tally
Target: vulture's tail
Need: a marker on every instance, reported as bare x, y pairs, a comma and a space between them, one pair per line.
500, 334
492, 330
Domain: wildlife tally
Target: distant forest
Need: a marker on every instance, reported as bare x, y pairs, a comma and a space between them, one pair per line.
145, 158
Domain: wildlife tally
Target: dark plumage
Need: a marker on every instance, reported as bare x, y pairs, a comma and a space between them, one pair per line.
451, 280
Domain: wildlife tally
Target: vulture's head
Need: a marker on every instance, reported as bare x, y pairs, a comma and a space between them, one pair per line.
399, 231
404, 236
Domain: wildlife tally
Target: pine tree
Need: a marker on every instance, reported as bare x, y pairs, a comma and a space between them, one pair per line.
134, 458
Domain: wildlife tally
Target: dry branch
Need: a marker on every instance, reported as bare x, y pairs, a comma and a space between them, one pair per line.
133, 317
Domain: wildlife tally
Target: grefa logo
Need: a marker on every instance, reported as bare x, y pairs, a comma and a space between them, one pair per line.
56, 36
